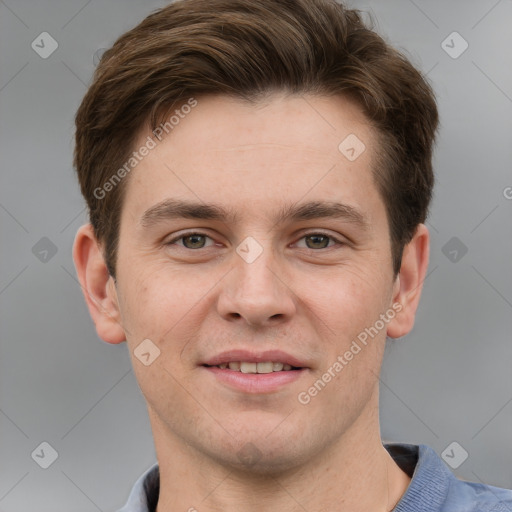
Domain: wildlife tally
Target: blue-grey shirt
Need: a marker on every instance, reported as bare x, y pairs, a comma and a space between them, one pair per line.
433, 487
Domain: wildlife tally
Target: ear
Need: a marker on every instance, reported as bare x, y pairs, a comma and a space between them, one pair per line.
409, 283
98, 286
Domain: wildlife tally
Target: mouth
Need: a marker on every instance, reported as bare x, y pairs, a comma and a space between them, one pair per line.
252, 367
249, 372
247, 361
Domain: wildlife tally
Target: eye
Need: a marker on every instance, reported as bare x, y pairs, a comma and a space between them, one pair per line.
196, 240
190, 240
319, 240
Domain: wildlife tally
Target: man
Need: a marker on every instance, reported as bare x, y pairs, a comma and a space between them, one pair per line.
258, 175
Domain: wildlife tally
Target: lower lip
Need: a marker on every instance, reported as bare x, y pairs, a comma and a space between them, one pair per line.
255, 382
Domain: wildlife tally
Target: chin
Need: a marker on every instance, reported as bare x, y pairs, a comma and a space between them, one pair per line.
253, 460
258, 454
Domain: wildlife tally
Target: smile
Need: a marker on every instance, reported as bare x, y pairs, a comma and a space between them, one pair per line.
251, 367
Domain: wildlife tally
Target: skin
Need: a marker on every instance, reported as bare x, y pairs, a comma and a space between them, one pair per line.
311, 302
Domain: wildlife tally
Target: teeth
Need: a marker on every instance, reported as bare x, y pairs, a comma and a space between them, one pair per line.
264, 367
248, 367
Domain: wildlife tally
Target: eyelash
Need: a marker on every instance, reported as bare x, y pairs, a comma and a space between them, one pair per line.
185, 235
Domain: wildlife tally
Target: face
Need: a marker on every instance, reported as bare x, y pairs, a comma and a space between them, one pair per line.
248, 236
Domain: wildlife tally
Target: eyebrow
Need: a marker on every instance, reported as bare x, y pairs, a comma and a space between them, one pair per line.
169, 209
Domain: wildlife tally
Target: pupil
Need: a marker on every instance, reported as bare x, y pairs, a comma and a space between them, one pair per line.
192, 237
317, 237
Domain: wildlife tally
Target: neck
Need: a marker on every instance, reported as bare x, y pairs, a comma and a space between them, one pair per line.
355, 474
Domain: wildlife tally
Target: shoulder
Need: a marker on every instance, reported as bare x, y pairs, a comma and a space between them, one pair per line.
435, 488
477, 497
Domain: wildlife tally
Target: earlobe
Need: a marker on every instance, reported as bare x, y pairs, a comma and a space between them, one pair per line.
409, 282
97, 285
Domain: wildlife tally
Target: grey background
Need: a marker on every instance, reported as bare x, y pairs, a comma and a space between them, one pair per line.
449, 380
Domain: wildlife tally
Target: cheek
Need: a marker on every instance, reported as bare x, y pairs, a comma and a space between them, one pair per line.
159, 307
166, 307
153, 297
345, 301
349, 304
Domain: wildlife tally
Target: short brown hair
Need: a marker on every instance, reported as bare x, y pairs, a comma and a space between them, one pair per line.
247, 49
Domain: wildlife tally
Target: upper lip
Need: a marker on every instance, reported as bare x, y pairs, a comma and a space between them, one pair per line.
236, 355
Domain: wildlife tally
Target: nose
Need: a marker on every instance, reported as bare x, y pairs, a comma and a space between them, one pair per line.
257, 293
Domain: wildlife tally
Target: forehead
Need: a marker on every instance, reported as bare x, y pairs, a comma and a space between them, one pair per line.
250, 155
304, 123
